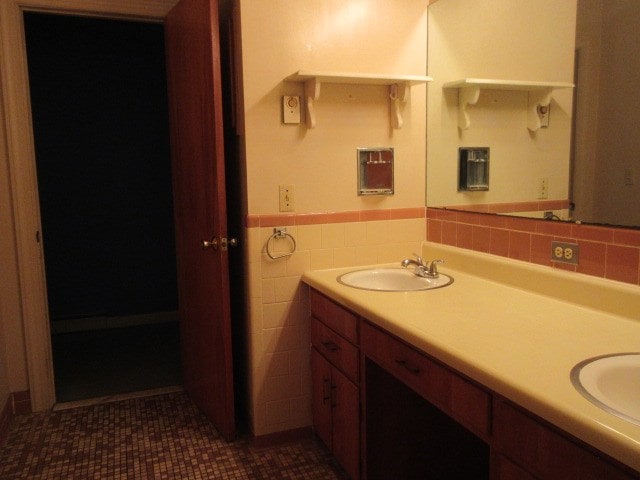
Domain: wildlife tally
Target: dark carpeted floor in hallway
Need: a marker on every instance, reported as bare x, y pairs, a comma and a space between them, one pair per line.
158, 437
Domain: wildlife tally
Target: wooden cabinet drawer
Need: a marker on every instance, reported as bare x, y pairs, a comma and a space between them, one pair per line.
545, 452
336, 349
336, 317
454, 395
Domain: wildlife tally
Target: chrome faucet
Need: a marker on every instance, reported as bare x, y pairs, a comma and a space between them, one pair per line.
433, 268
422, 269
410, 261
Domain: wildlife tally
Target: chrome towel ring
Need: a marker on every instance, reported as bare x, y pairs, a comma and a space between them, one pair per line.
280, 233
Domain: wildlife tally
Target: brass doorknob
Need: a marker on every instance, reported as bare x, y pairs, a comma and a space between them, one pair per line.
213, 243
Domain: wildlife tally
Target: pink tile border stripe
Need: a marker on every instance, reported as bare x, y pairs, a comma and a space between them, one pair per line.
252, 221
607, 252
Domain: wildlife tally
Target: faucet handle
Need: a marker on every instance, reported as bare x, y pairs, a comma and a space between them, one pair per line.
433, 267
419, 259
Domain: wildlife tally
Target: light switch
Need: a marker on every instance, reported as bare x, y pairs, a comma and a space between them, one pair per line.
286, 198
290, 109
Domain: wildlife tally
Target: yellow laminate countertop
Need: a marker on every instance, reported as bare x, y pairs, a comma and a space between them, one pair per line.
516, 328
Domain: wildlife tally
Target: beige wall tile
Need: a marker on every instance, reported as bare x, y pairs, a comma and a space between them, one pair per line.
297, 264
367, 255
309, 237
282, 387
276, 364
344, 257
408, 230
320, 259
268, 290
272, 268
286, 289
300, 409
253, 246
254, 314
333, 235
277, 411
299, 360
378, 232
274, 315
355, 234
256, 352
254, 278
283, 339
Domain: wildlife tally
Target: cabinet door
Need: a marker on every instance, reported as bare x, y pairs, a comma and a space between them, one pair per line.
346, 423
544, 451
503, 469
321, 397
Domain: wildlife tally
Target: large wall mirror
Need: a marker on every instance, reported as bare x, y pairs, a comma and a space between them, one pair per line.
583, 163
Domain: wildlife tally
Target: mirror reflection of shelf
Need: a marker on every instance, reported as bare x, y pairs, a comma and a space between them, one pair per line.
469, 92
399, 87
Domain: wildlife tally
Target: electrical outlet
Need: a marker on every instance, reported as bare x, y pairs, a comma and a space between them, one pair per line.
565, 252
286, 198
290, 109
542, 188
543, 115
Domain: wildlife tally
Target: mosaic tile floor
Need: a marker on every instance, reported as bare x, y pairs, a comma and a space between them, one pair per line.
159, 437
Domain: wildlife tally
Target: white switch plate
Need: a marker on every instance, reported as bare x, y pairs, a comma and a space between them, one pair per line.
291, 109
542, 188
286, 198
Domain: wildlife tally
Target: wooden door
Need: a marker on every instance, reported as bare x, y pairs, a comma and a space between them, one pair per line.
195, 106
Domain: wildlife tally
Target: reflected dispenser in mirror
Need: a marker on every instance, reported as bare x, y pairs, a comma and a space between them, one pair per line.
375, 171
473, 168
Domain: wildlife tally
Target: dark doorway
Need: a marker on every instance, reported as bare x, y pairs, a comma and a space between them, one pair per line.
99, 105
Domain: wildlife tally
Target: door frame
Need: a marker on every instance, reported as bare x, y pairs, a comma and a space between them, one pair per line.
17, 159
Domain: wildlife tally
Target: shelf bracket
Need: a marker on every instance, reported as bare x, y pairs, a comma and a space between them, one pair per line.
399, 95
311, 93
537, 98
466, 96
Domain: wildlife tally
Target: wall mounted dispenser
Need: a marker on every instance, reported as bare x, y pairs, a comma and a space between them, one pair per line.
473, 168
375, 171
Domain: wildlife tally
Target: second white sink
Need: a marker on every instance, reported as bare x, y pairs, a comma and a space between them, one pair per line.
612, 382
392, 280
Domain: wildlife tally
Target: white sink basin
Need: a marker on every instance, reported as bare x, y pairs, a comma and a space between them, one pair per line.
611, 382
392, 280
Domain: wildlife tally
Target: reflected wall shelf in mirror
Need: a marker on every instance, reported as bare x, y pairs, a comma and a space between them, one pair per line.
399, 86
469, 92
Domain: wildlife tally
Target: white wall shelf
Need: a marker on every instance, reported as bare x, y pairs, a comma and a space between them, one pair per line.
469, 92
399, 87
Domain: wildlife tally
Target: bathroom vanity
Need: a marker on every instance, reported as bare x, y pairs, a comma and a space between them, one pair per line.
471, 380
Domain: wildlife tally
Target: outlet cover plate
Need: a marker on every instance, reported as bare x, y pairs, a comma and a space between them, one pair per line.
565, 252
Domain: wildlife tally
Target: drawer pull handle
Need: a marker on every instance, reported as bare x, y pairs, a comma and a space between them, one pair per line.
326, 395
334, 395
404, 364
332, 347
